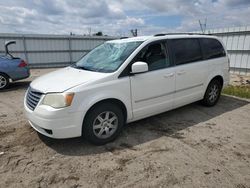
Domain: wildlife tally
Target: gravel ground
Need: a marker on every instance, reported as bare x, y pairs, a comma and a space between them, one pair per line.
239, 80
192, 146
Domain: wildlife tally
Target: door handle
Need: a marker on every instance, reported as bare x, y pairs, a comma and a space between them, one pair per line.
181, 72
169, 75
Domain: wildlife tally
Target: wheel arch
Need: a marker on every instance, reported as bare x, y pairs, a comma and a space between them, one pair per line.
5, 74
211, 78
109, 100
219, 78
206, 99
217, 75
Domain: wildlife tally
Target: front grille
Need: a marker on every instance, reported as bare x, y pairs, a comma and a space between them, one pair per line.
32, 98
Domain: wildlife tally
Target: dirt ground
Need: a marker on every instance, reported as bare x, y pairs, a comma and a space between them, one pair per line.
193, 146
239, 80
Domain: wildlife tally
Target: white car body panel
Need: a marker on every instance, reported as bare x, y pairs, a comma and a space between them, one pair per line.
155, 99
63, 79
143, 94
189, 82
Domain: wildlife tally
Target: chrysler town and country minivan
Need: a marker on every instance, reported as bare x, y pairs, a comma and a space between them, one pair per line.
125, 80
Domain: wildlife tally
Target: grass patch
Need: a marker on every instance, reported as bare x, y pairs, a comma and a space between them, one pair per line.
238, 91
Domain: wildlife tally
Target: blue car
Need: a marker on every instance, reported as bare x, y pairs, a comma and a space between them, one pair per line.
12, 68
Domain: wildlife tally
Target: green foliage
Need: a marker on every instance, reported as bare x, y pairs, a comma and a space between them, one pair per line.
238, 91
99, 33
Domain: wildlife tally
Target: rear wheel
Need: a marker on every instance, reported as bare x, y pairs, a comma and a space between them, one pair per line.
103, 123
212, 94
4, 81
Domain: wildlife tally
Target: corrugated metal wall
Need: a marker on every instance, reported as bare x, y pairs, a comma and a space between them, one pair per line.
237, 41
61, 50
50, 50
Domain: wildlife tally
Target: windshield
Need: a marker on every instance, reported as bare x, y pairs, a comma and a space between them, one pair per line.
107, 57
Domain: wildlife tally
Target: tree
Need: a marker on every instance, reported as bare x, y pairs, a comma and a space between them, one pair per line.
99, 33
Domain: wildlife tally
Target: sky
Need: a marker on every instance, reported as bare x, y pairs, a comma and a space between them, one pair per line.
118, 17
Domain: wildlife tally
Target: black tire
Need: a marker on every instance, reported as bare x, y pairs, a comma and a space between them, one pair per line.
101, 110
4, 81
213, 93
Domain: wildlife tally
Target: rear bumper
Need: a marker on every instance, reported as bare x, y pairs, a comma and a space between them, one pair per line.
23, 73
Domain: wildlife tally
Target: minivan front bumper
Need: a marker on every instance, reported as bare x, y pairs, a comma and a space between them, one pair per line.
54, 123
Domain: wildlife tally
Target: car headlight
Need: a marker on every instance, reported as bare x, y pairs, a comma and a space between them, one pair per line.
58, 100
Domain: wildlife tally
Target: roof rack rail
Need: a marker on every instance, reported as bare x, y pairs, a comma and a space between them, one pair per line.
124, 37
164, 34
158, 35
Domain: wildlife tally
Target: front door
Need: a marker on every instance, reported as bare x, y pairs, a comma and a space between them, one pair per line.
152, 92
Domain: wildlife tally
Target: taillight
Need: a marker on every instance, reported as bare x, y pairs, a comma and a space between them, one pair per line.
22, 64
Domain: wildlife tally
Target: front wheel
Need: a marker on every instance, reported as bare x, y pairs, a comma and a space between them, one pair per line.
103, 123
212, 94
4, 81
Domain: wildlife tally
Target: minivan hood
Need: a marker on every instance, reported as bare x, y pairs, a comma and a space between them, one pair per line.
64, 79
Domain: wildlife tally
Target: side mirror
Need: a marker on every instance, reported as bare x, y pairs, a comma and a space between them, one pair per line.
139, 67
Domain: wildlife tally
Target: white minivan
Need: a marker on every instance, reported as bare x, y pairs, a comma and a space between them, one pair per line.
125, 80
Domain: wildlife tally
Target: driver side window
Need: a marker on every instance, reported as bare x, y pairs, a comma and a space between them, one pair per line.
155, 55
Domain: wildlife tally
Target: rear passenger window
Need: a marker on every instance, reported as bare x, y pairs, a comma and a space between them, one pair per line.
212, 48
186, 50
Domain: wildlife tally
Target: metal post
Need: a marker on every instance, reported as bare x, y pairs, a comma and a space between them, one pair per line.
25, 49
70, 51
236, 54
248, 60
233, 66
243, 48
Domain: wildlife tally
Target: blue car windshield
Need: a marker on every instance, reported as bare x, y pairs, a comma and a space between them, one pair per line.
107, 57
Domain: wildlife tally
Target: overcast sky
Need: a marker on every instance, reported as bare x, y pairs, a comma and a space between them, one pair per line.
115, 17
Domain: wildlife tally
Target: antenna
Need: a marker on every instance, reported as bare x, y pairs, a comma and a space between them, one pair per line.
89, 31
203, 26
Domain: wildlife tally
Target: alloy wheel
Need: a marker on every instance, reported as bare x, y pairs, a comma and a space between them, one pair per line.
3, 82
213, 93
105, 124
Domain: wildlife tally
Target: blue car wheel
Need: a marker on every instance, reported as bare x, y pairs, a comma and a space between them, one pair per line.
4, 81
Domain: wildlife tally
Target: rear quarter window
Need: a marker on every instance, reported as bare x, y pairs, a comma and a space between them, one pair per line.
212, 48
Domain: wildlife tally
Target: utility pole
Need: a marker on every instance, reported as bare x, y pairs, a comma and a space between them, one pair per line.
203, 26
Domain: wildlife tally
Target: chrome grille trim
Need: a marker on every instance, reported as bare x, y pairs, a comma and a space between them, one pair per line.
32, 98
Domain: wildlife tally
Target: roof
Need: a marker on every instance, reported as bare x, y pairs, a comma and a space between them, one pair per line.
132, 39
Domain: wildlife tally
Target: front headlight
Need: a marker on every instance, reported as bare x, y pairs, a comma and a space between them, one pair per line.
58, 100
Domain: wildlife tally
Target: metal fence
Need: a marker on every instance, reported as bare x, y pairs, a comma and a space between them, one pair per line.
43, 51
61, 50
237, 42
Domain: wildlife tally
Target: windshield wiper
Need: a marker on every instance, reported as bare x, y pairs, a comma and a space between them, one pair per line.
80, 67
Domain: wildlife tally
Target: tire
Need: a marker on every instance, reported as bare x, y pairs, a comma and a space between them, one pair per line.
103, 123
4, 81
213, 93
